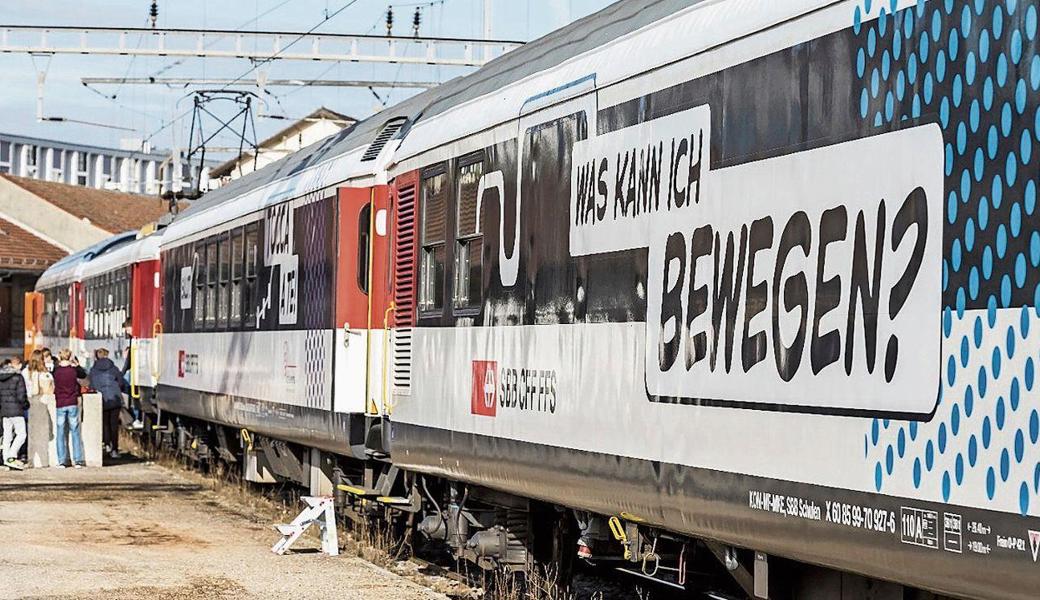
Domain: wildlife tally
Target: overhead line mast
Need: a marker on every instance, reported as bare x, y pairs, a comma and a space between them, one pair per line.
211, 81
204, 43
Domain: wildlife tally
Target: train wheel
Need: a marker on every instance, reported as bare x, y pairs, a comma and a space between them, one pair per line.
553, 551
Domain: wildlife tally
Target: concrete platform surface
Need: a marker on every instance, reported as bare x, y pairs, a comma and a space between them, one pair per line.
142, 531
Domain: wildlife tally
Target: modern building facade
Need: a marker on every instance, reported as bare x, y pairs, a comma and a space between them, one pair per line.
127, 171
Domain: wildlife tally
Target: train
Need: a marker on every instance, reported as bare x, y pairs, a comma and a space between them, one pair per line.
741, 296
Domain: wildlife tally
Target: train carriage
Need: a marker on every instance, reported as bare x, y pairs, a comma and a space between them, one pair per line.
107, 296
56, 312
277, 307
756, 272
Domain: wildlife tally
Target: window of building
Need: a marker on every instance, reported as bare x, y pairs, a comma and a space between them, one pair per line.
469, 241
199, 269
5, 157
57, 164
107, 170
431, 266
81, 168
31, 159
364, 247
238, 267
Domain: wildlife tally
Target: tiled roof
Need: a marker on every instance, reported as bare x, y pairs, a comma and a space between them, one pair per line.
115, 212
23, 251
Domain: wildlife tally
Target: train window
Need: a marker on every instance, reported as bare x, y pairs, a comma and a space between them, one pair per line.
469, 241
211, 284
434, 216
223, 290
124, 289
48, 311
249, 294
364, 247
238, 266
199, 268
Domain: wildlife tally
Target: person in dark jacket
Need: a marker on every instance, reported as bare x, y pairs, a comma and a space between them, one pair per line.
107, 379
67, 374
13, 403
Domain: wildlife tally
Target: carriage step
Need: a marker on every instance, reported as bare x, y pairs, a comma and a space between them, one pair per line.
320, 511
356, 491
394, 500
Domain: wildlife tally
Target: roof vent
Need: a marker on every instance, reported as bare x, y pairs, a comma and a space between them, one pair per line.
385, 135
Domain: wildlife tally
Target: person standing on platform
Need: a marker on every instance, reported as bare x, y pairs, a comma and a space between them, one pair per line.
67, 374
39, 381
107, 379
13, 402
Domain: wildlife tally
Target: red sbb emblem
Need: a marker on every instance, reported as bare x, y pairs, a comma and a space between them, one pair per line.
182, 357
484, 400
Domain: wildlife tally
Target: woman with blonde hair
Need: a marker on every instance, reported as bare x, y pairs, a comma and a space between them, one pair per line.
38, 378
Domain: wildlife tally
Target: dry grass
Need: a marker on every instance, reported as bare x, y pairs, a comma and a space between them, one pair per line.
372, 541
230, 493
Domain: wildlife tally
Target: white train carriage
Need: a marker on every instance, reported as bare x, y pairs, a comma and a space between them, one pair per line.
276, 306
755, 272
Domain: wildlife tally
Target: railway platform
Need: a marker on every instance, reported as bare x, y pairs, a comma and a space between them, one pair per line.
137, 530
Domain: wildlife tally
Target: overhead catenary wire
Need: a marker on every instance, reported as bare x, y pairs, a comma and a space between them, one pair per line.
257, 64
214, 41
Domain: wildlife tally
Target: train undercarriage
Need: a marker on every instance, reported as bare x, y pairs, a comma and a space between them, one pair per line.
501, 539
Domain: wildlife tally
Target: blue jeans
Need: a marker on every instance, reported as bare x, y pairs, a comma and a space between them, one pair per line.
68, 420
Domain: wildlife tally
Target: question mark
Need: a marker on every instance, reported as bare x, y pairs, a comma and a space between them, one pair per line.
914, 211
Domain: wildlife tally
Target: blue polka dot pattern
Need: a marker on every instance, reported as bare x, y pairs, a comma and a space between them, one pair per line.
975, 73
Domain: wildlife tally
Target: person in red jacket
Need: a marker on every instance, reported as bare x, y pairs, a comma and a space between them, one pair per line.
67, 374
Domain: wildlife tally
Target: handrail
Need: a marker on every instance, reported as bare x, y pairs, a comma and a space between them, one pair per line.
157, 331
387, 406
135, 389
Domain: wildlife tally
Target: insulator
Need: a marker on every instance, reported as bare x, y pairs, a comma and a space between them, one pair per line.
416, 21
153, 12
389, 20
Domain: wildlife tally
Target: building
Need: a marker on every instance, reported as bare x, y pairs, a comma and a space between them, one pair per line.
316, 126
42, 221
90, 166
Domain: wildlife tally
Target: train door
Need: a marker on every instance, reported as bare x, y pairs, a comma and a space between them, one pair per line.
77, 326
33, 322
144, 314
548, 127
362, 315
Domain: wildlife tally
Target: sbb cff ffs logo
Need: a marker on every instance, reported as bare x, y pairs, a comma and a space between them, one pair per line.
187, 364
521, 389
484, 398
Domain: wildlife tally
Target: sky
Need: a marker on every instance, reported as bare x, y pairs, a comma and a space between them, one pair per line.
162, 114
